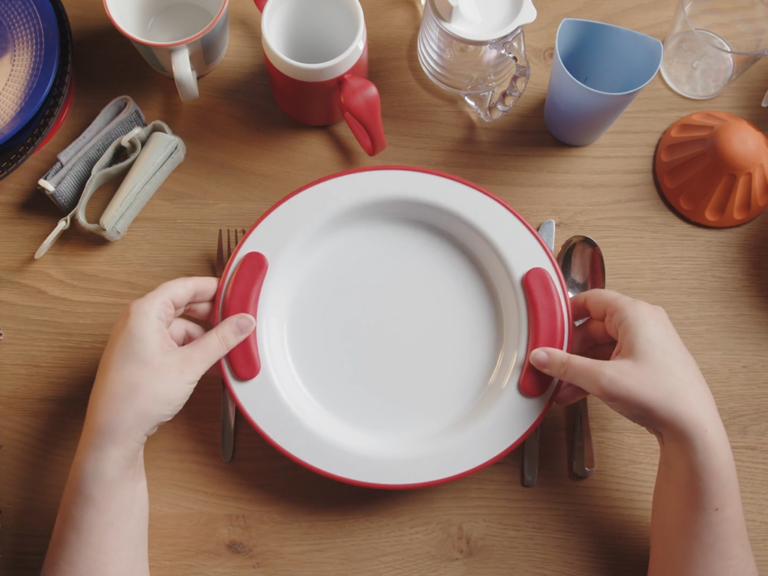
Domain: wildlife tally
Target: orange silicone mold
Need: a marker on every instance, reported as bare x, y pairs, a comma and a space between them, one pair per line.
711, 167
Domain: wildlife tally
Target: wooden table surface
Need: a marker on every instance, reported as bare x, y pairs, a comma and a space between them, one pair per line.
263, 514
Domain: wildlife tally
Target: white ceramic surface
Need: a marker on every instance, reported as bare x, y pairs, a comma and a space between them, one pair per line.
483, 20
182, 39
313, 40
392, 328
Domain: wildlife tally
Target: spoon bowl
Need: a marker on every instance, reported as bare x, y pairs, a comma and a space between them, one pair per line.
583, 265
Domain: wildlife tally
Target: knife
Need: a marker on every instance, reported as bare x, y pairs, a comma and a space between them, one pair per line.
531, 444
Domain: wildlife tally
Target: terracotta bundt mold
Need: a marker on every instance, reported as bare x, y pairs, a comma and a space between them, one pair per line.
711, 167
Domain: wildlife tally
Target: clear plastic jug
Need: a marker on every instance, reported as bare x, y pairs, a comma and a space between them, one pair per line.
476, 48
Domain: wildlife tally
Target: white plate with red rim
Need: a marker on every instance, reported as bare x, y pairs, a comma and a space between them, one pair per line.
395, 311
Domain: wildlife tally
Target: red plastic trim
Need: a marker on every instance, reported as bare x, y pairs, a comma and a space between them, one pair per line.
63, 113
503, 453
260, 4
313, 103
361, 107
242, 296
546, 327
168, 44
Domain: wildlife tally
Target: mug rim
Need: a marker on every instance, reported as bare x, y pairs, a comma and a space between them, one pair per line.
321, 71
181, 42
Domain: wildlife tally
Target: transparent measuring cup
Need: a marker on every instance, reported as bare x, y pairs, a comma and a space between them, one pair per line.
478, 54
711, 43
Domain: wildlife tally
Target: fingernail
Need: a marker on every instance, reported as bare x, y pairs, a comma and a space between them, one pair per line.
539, 358
245, 324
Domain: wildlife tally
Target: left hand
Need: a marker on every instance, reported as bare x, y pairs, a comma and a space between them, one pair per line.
155, 358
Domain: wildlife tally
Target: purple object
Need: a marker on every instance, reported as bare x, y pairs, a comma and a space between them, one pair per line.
29, 56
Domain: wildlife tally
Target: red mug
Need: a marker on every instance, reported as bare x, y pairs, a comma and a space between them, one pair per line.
316, 53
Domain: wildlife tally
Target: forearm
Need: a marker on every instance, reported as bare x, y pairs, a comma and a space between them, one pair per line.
697, 525
102, 525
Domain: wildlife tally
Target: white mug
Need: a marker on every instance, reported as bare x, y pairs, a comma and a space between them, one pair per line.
183, 40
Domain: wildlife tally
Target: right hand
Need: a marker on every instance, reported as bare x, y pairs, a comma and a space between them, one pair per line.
629, 355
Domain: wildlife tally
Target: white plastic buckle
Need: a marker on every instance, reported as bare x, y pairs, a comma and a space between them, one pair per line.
126, 140
47, 186
53, 236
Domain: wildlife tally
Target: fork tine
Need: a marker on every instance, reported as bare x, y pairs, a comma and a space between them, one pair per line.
242, 234
229, 245
237, 238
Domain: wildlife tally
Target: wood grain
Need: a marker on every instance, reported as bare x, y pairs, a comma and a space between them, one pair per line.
262, 514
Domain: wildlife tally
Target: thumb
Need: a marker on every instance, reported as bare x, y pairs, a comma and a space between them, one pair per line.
218, 342
587, 374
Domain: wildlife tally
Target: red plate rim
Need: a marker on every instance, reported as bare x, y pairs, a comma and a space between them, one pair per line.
395, 168
62, 116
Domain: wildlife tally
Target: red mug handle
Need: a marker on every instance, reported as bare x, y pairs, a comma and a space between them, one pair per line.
260, 4
361, 107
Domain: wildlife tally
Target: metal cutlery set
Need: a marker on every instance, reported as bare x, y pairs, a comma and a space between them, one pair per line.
577, 280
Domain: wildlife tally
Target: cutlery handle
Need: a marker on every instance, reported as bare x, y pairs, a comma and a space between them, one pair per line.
242, 295
583, 450
546, 327
228, 415
531, 458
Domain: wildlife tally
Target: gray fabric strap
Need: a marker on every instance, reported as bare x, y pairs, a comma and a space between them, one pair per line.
146, 156
151, 154
64, 182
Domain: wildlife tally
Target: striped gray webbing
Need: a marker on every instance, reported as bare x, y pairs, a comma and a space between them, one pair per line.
144, 158
65, 182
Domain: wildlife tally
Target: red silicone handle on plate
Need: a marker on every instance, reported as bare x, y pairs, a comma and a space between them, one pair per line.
361, 107
242, 295
546, 327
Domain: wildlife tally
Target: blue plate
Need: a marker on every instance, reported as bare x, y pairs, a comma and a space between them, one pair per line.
29, 55
26, 140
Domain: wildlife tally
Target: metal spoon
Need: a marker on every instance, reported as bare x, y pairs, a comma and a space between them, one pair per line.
583, 267
531, 444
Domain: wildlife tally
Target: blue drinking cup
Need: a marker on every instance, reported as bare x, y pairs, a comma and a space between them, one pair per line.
597, 71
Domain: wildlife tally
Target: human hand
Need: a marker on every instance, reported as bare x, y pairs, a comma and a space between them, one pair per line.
629, 355
154, 359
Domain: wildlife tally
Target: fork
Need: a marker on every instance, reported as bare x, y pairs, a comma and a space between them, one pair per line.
228, 406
